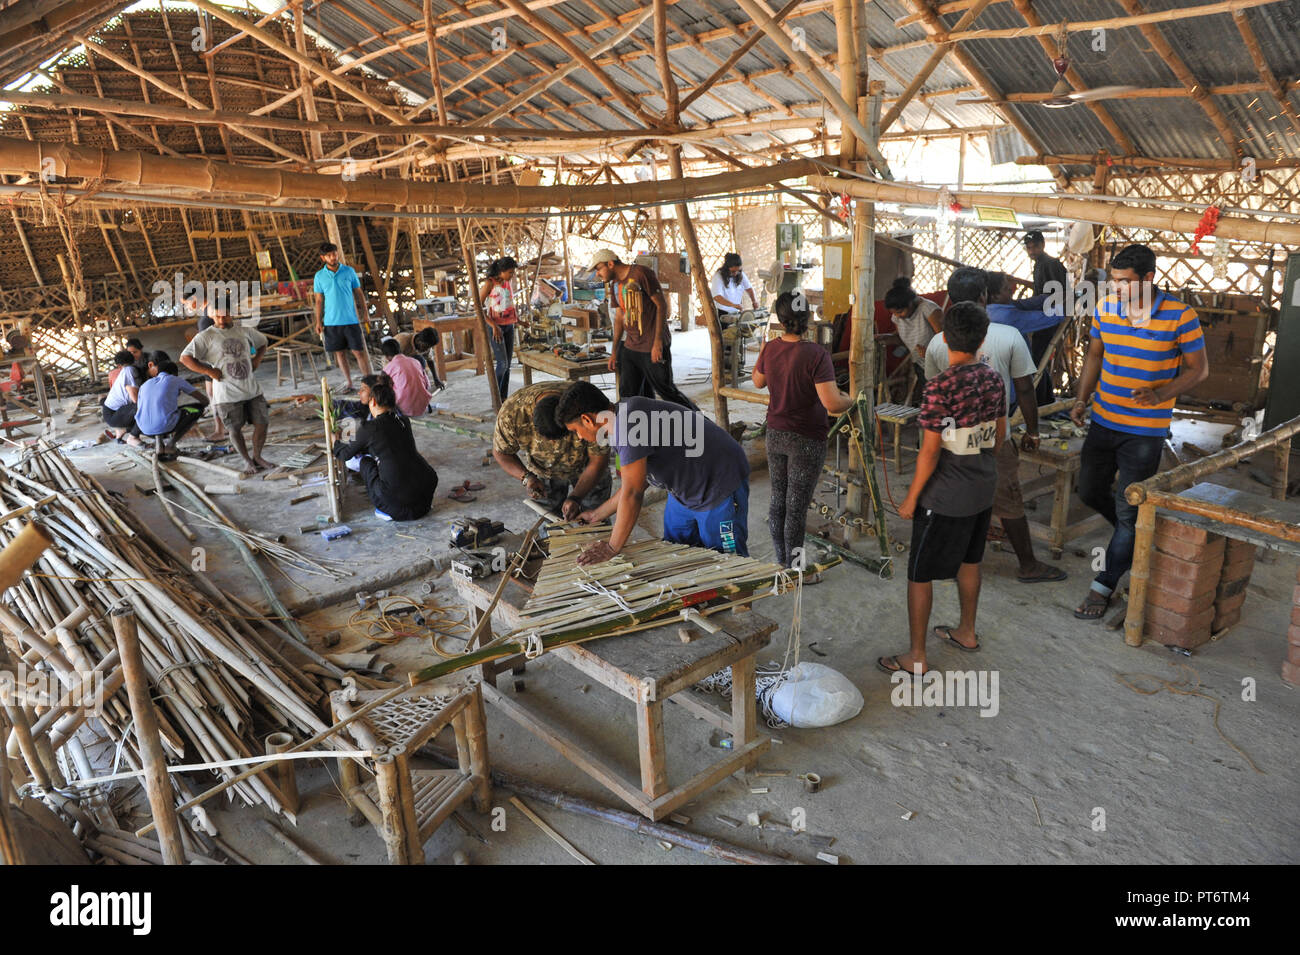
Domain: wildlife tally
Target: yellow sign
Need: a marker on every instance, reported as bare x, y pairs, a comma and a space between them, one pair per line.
996, 215
263, 259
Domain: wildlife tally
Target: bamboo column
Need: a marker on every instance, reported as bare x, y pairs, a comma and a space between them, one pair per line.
156, 783
286, 777
702, 289
1139, 575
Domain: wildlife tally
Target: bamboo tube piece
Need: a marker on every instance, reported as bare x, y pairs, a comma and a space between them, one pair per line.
1281, 468
331, 466
10, 851
156, 782
285, 771
541, 824
167, 505
1140, 575
22, 552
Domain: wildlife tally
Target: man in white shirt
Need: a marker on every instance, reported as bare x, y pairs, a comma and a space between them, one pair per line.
729, 285
229, 355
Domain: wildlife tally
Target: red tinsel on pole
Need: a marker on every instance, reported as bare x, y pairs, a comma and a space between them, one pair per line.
1209, 222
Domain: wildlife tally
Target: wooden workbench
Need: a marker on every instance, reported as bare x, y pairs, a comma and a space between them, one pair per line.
1064, 464
552, 364
646, 668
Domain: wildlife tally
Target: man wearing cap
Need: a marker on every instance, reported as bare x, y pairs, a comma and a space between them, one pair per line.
640, 347
1049, 275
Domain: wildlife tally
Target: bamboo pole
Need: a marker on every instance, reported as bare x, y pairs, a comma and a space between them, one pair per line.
1195, 470
1064, 207
285, 771
331, 466
762, 15
22, 552
1152, 162
939, 52
145, 719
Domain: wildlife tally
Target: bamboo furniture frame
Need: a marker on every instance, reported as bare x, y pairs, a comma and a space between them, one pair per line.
647, 669
294, 355
1238, 514
407, 805
1064, 465
452, 326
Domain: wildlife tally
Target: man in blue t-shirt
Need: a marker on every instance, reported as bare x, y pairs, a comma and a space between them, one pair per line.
159, 413
662, 443
338, 302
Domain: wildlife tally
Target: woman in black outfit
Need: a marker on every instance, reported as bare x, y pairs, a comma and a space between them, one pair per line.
400, 482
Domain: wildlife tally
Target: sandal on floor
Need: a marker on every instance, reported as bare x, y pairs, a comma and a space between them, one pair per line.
1094, 606
471, 486
945, 634
1053, 574
882, 665
462, 495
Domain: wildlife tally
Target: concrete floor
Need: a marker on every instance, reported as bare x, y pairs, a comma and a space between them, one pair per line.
1069, 742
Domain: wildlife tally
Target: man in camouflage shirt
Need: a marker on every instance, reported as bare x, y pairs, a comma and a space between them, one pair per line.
562, 470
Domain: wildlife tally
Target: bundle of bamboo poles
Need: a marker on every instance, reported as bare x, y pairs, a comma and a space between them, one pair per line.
643, 586
215, 666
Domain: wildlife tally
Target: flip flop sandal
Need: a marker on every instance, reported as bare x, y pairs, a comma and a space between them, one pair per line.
461, 495
896, 668
473, 486
1055, 575
1093, 602
945, 634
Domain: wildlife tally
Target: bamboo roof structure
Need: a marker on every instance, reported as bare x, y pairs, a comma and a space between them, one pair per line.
139, 138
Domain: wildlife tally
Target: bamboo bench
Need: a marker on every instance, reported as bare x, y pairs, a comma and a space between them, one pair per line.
645, 668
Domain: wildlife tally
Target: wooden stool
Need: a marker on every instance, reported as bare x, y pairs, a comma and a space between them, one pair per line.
294, 353
898, 416
407, 805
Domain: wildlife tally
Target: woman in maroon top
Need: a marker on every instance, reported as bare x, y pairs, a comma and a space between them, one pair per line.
801, 381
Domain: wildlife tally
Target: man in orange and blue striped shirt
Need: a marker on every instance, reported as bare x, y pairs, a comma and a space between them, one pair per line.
1146, 349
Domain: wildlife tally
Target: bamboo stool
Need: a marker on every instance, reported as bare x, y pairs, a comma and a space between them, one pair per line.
899, 416
407, 805
294, 354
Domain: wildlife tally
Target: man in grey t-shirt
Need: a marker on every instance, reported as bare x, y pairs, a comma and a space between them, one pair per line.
229, 355
1005, 351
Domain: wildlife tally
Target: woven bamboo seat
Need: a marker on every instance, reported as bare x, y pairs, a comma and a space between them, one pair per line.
407, 805
899, 416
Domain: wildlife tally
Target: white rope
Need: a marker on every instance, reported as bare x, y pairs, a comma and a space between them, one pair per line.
597, 589
222, 764
533, 646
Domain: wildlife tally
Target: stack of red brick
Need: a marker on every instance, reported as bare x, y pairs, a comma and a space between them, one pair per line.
1197, 585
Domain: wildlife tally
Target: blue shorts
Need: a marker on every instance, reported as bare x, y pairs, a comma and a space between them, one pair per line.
723, 528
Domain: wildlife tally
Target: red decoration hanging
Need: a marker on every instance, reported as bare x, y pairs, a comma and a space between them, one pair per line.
844, 207
1209, 222
954, 207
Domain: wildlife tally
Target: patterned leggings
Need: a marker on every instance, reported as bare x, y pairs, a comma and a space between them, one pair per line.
795, 465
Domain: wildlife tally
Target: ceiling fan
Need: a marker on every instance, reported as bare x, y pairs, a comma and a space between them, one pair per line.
1063, 92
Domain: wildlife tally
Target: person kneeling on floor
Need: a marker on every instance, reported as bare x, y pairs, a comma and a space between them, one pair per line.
159, 414
950, 503
400, 482
118, 406
658, 442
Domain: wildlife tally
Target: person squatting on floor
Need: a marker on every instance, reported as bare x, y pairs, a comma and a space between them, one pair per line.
963, 422
400, 482
657, 442
562, 470
159, 411
801, 381
1146, 349
118, 406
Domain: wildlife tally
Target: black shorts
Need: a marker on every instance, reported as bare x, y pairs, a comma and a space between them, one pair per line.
340, 337
941, 544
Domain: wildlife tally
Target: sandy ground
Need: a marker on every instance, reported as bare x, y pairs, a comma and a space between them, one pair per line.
1075, 767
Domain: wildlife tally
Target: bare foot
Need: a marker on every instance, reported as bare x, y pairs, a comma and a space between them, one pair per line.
133, 441
262, 462
902, 661
249, 469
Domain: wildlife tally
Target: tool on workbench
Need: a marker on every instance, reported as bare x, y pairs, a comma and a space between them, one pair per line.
475, 531
472, 565
334, 533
